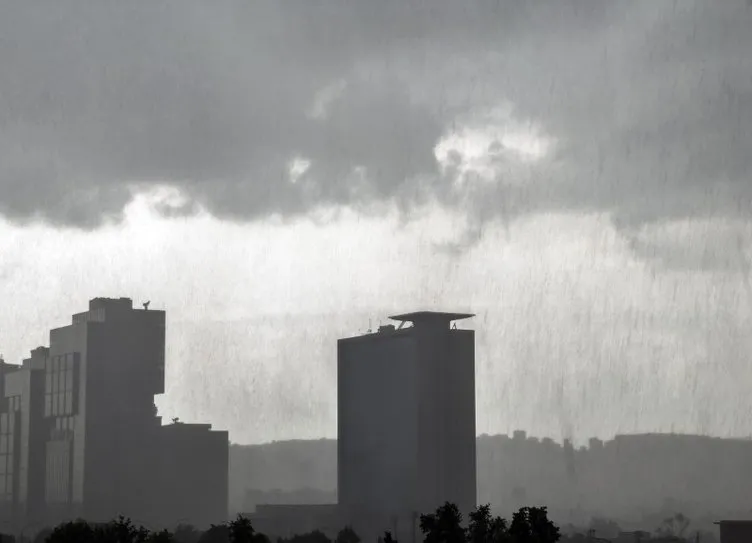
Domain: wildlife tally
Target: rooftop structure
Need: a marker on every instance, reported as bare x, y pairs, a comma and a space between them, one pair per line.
431, 317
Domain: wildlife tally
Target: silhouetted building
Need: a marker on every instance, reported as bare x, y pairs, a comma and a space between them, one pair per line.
102, 374
406, 421
735, 531
22, 438
81, 431
193, 474
406, 426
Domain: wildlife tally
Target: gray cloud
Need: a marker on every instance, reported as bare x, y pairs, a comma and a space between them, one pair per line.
650, 105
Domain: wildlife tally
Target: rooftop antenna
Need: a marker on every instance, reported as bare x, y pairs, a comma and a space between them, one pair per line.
146, 305
369, 325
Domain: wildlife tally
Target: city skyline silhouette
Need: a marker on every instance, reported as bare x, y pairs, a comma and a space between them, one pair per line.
278, 176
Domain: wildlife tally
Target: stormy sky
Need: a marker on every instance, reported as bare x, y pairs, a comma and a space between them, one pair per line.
278, 174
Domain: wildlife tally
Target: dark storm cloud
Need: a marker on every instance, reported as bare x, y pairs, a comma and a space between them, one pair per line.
650, 105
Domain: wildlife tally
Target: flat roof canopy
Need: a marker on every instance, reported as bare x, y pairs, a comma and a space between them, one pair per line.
428, 316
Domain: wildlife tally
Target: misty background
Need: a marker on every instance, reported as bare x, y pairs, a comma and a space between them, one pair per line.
277, 175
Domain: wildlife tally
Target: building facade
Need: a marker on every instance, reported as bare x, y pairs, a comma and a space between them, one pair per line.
735, 531
193, 474
406, 422
86, 438
23, 432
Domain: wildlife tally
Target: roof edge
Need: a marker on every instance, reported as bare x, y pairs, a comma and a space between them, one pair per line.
423, 316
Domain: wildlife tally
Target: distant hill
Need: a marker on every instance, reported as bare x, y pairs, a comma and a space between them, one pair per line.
627, 476
286, 466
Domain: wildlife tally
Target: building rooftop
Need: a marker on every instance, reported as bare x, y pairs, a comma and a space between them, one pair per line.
101, 302
428, 316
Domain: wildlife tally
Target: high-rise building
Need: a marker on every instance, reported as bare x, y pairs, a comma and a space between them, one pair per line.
101, 377
81, 434
406, 421
22, 437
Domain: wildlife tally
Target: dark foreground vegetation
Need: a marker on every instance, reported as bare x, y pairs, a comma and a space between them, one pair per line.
445, 525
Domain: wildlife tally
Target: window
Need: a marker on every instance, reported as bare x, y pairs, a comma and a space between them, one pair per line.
7, 456
61, 386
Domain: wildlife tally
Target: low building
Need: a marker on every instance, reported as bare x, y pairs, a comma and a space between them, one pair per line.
288, 520
637, 536
22, 437
735, 531
192, 471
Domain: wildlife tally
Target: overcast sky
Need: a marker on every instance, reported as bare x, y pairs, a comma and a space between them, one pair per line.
278, 174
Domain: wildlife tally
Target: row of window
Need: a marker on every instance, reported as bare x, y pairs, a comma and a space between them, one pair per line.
58, 471
13, 404
6, 487
60, 403
8, 424
65, 423
6, 445
8, 428
60, 385
60, 363
60, 379
6, 465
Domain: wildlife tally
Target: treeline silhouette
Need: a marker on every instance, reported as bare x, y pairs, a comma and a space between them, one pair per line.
445, 525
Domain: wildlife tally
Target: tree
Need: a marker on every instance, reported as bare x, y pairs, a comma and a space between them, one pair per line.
675, 526
484, 528
241, 530
217, 533
347, 535
443, 526
121, 530
315, 536
77, 531
163, 536
531, 525
185, 533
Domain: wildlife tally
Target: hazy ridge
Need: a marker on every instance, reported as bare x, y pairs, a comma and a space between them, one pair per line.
628, 477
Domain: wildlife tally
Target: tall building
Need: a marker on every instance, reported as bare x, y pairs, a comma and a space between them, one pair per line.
406, 421
101, 377
22, 437
83, 433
